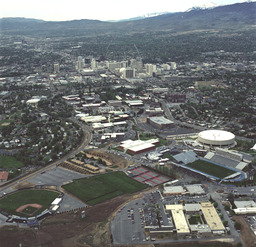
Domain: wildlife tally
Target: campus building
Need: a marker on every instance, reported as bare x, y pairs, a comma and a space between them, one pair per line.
212, 218
179, 219
138, 146
160, 122
216, 138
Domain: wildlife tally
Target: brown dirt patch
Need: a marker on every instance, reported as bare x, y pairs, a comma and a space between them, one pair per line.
23, 185
12, 236
247, 235
109, 158
23, 207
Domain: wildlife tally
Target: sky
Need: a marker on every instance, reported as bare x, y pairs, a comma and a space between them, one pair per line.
61, 10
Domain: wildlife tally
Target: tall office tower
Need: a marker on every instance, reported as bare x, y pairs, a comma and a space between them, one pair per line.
173, 65
80, 63
113, 65
56, 68
94, 63
124, 64
150, 69
166, 67
133, 63
129, 73
136, 64
139, 63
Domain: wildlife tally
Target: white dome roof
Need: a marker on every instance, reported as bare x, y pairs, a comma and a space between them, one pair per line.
216, 137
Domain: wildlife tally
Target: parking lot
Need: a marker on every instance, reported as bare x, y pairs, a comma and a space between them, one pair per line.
128, 225
57, 176
131, 220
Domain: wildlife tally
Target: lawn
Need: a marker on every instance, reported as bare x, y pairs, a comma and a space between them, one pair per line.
8, 162
194, 220
11, 202
146, 136
211, 169
93, 190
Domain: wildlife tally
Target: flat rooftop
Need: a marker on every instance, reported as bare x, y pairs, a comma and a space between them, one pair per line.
195, 189
179, 218
138, 144
173, 190
192, 207
245, 204
211, 216
161, 120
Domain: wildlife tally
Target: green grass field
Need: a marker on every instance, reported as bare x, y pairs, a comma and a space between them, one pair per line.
211, 169
100, 188
11, 202
8, 162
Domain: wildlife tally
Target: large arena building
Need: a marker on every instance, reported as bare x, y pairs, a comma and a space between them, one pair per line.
216, 138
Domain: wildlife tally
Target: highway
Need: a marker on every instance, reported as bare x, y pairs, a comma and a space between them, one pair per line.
85, 142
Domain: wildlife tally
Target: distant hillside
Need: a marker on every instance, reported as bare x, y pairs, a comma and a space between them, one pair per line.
236, 16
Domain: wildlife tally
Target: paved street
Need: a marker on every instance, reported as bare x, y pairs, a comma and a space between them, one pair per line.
233, 231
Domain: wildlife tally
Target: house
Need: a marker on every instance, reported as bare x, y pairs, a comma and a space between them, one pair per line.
3, 176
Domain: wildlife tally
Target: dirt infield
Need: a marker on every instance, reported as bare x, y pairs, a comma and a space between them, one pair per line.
23, 207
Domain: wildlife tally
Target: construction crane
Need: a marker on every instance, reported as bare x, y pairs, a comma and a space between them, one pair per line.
137, 51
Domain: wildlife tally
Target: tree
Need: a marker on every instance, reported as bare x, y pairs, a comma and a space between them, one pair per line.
238, 225
225, 223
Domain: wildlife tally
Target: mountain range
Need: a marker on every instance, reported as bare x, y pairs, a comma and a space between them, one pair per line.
228, 17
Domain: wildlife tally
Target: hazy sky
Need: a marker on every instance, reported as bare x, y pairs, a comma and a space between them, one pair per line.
60, 10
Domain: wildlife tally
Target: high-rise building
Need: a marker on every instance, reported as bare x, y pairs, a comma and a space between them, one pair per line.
150, 69
124, 64
128, 73
113, 65
136, 64
166, 67
56, 68
80, 63
173, 65
94, 63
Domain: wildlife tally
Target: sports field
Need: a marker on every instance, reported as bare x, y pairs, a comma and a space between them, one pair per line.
8, 162
211, 169
93, 190
10, 203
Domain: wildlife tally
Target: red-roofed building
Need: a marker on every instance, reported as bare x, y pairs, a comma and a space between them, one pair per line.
3, 176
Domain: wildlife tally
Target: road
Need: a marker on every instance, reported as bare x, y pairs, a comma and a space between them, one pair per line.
233, 231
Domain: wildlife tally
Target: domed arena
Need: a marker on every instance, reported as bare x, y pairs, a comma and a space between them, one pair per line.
216, 138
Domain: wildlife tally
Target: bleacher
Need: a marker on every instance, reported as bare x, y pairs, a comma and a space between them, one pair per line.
225, 161
186, 157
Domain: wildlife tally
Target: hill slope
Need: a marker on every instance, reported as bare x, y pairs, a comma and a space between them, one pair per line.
236, 16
